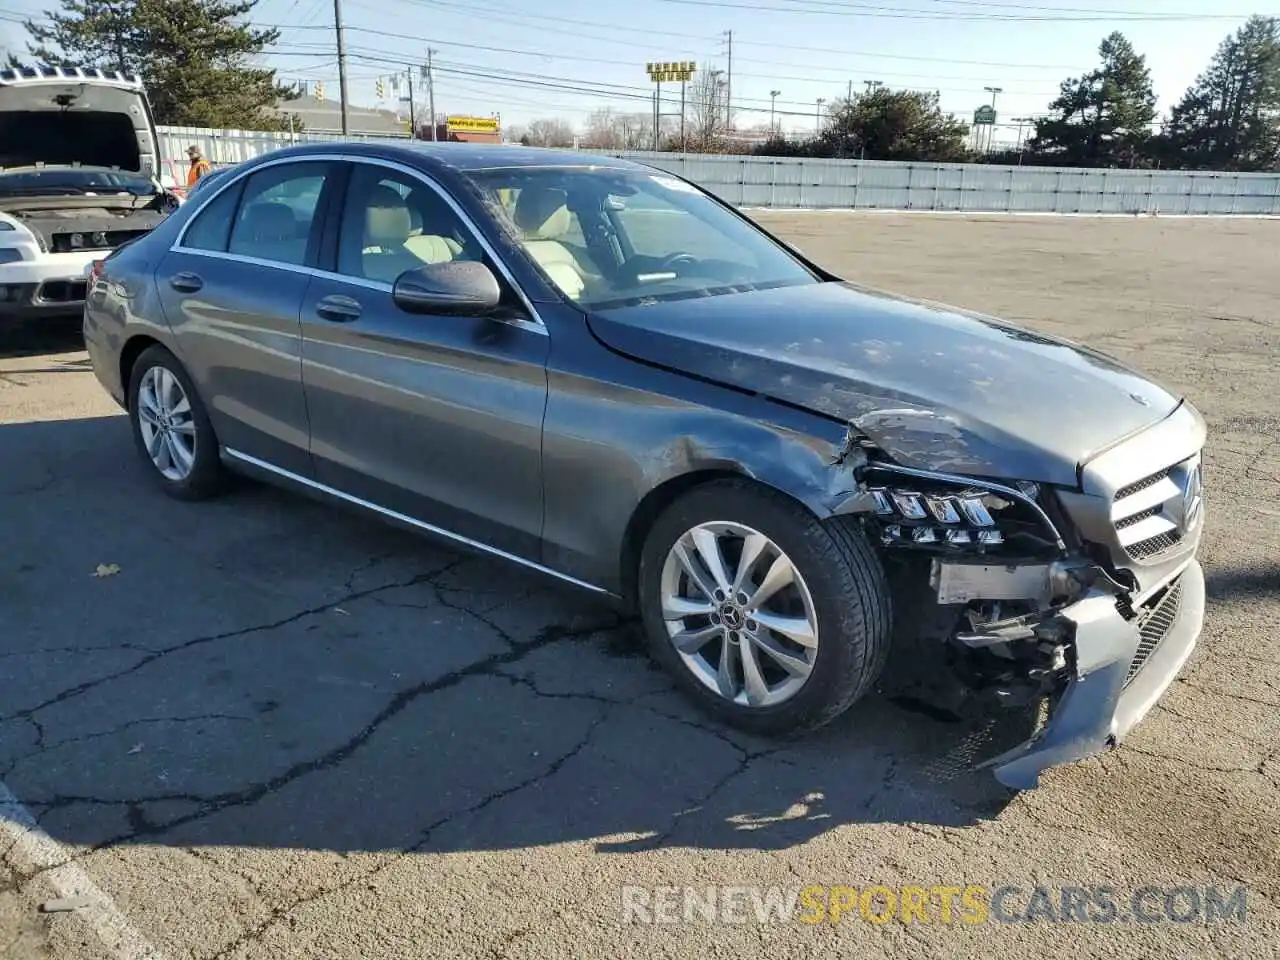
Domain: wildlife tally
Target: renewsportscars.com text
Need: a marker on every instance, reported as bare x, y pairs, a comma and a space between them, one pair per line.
945, 904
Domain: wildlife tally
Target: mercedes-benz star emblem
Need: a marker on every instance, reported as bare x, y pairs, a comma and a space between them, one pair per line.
1191, 498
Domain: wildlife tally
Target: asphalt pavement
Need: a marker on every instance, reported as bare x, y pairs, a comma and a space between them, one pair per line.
265, 727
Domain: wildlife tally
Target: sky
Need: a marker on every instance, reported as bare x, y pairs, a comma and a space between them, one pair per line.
565, 58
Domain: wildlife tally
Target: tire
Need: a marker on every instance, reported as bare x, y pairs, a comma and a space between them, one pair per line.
839, 572
205, 477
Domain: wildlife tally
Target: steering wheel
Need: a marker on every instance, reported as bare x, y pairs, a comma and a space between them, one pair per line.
670, 262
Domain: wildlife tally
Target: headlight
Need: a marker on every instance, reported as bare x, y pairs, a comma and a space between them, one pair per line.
963, 518
954, 514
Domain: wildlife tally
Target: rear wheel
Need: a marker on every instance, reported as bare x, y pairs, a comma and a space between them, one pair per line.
171, 428
769, 618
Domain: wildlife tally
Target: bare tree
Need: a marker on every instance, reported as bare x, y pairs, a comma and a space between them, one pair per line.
549, 133
609, 129
706, 113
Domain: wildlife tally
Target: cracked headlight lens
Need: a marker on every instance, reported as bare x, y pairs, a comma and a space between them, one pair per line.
963, 519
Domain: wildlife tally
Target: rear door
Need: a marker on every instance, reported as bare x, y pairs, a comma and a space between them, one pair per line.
437, 418
232, 288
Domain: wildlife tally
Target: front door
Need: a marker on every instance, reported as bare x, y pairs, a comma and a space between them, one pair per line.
232, 289
438, 418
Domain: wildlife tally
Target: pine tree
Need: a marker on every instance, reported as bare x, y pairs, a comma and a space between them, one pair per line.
1104, 118
195, 56
885, 124
1230, 118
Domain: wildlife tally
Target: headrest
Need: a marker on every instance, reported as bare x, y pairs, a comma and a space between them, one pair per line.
386, 220
270, 220
542, 213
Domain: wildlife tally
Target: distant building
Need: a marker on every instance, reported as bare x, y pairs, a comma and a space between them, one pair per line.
325, 116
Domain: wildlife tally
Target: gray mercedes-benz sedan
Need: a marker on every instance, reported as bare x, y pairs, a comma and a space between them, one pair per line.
597, 370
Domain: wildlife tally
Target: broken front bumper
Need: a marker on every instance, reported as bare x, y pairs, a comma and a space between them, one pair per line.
1122, 668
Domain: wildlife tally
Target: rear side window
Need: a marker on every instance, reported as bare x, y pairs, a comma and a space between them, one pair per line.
211, 227
277, 213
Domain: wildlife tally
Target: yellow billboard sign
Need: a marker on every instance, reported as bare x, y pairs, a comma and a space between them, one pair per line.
471, 124
671, 71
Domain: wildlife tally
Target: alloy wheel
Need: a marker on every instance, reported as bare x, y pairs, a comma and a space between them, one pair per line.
166, 423
739, 614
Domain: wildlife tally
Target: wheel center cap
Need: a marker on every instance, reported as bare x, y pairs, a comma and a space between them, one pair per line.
731, 616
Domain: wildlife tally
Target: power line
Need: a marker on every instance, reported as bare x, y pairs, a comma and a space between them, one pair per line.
925, 83
898, 13
471, 10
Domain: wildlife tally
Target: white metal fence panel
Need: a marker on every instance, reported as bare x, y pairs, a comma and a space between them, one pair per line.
812, 183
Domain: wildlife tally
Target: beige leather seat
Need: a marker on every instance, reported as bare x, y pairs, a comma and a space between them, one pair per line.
430, 247
543, 217
391, 244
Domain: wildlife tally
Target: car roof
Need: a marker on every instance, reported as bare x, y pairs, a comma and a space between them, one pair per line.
468, 157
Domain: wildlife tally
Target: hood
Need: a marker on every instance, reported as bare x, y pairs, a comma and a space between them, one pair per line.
75, 118
935, 387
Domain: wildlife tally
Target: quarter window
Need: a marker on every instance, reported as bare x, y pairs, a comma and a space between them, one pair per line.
212, 226
275, 218
392, 222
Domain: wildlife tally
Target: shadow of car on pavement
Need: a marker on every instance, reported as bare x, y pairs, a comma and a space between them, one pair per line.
265, 671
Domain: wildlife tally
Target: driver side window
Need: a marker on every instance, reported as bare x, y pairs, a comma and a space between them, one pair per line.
392, 222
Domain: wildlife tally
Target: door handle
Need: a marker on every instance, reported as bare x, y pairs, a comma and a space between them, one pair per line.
339, 309
186, 282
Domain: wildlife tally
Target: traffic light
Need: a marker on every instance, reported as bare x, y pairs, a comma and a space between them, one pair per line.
320, 90
382, 89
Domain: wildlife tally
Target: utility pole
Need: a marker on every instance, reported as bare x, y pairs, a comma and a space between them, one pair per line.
431, 93
342, 63
413, 116
773, 100
872, 84
992, 128
728, 92
1021, 121
817, 124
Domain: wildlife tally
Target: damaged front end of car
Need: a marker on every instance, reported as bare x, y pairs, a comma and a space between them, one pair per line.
1087, 599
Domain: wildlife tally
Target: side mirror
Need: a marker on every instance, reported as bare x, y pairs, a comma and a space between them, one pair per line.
457, 288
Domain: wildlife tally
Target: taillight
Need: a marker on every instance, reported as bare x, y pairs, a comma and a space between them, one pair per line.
97, 271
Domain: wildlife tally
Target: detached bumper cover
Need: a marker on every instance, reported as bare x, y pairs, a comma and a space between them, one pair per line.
1106, 699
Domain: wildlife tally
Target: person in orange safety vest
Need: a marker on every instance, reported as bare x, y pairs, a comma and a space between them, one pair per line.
199, 165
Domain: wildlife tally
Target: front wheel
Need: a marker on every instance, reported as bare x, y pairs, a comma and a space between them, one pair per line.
769, 618
171, 428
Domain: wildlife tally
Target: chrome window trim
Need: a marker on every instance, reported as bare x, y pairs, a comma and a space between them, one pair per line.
404, 518
536, 325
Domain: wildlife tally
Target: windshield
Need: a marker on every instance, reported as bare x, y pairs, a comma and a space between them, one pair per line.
74, 181
612, 238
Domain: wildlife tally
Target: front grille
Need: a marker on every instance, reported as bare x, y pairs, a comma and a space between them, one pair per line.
1155, 626
61, 291
1142, 484
93, 240
1157, 545
1148, 514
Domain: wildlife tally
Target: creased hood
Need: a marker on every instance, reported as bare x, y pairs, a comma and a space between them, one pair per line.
935, 387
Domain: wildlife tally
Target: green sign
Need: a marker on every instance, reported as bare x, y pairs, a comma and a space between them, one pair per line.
985, 114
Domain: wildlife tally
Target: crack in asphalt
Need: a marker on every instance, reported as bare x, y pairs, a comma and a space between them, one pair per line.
210, 805
551, 770
1188, 761
88, 685
1189, 682
44, 748
45, 651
